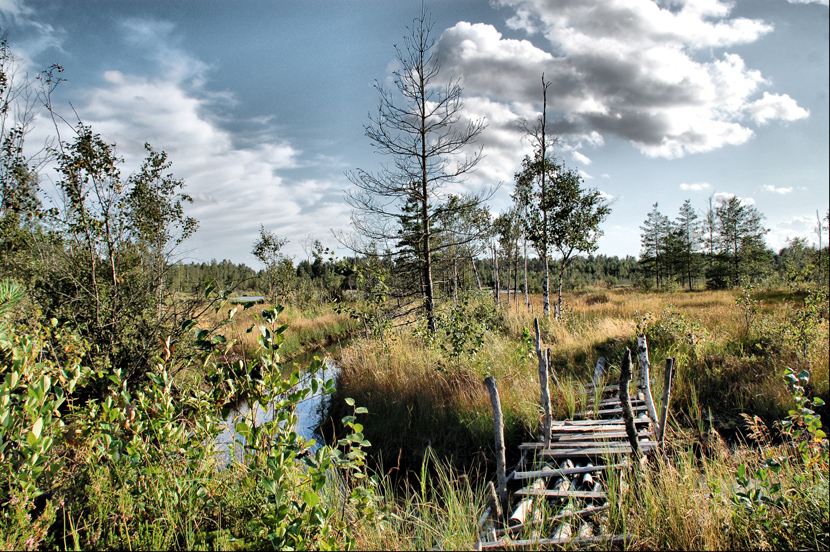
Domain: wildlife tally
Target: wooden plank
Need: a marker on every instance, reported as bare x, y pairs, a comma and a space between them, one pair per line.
598, 436
570, 471
603, 422
576, 543
598, 428
579, 444
611, 411
592, 452
588, 512
616, 400
550, 493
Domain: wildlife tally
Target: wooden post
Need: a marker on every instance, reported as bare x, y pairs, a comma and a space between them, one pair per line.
644, 380
491, 510
551, 371
625, 402
498, 421
599, 372
543, 383
664, 403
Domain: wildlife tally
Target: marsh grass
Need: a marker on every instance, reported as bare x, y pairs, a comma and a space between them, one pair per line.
308, 329
690, 502
436, 510
419, 398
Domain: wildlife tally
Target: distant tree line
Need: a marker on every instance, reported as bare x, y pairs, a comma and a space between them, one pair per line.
722, 249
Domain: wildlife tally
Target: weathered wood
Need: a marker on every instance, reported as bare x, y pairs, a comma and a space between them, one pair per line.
573, 543
664, 402
616, 400
599, 371
588, 478
543, 383
551, 493
562, 431
598, 436
498, 422
625, 401
645, 378
528, 507
592, 452
584, 513
519, 467
607, 421
642, 408
569, 471
551, 371
582, 444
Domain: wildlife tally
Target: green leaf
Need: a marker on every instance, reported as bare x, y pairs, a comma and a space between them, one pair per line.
817, 401
311, 498
361, 410
350, 401
38, 427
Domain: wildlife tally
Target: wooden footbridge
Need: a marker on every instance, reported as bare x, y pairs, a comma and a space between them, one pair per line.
561, 482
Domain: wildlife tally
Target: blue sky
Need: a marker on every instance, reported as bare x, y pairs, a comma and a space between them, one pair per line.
261, 104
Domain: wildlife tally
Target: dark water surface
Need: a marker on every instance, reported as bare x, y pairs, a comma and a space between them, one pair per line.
309, 412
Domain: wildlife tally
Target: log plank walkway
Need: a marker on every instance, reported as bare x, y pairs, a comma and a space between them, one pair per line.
573, 462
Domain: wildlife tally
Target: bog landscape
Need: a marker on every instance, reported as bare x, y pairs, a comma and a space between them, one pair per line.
440, 378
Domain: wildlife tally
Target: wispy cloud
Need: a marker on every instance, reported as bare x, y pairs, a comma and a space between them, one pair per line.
722, 197
697, 187
236, 186
797, 226
580, 158
782, 191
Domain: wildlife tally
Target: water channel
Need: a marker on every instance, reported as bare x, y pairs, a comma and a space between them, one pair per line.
309, 412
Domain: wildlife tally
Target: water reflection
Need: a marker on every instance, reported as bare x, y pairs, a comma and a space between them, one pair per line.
309, 411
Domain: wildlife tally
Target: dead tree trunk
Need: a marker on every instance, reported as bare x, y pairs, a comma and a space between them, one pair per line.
625, 402
498, 421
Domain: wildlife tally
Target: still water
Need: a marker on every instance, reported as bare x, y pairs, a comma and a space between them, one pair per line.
309, 412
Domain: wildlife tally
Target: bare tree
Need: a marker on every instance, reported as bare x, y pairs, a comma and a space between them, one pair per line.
537, 169
427, 142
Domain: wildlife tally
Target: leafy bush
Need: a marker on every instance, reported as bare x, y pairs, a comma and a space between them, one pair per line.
141, 467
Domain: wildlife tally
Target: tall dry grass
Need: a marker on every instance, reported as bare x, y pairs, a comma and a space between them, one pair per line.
308, 329
419, 397
729, 361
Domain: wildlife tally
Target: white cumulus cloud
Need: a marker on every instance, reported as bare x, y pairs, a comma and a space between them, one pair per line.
776, 106
637, 69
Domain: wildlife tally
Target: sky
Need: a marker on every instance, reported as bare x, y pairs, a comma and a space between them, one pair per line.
262, 104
